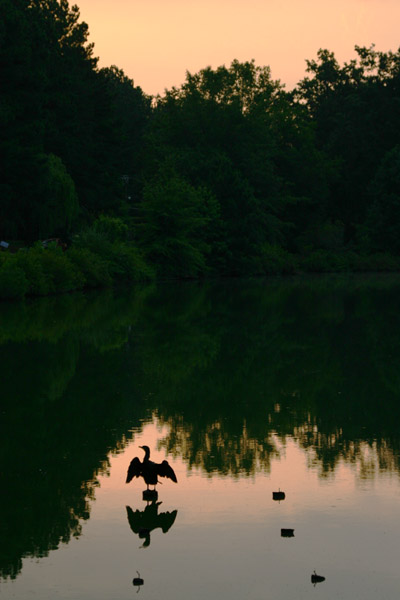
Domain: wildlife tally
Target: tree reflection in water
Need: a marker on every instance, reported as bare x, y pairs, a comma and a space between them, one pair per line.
231, 368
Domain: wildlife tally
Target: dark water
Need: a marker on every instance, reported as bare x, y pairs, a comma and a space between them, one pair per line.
245, 387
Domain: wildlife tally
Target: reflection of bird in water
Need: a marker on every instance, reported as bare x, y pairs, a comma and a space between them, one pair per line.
149, 470
143, 522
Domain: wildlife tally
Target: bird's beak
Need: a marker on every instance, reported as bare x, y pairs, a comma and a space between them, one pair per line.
140, 446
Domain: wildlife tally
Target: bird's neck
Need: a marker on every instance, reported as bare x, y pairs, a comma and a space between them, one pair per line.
146, 454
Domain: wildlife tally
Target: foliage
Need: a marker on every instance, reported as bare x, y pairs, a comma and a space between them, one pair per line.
128, 264
62, 275
383, 219
57, 205
275, 260
30, 261
93, 267
99, 263
323, 261
62, 126
355, 111
237, 133
113, 228
13, 283
123, 260
228, 174
175, 217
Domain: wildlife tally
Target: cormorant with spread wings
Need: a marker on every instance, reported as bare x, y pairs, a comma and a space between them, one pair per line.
149, 470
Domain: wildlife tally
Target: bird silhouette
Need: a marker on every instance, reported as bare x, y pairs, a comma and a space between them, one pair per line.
149, 470
143, 522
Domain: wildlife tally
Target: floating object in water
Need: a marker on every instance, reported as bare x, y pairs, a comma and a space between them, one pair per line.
287, 532
150, 495
316, 578
278, 495
138, 580
150, 471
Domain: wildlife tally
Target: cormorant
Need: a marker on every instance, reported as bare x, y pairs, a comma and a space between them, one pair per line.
149, 470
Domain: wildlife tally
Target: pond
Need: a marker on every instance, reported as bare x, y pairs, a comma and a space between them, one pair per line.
246, 388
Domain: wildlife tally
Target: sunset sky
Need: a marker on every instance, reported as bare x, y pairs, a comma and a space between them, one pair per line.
156, 41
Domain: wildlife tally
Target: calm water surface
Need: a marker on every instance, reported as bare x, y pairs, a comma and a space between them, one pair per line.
245, 388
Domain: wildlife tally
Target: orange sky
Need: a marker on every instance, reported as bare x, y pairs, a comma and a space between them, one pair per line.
156, 41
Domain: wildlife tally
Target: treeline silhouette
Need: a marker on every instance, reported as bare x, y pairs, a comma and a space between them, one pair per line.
230, 174
234, 370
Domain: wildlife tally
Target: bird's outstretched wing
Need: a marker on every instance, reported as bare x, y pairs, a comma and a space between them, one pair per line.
166, 520
134, 519
165, 470
135, 469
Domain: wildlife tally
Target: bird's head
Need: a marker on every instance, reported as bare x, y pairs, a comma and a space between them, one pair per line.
146, 452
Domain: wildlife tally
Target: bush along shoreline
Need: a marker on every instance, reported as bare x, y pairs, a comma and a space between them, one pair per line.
97, 258
96, 261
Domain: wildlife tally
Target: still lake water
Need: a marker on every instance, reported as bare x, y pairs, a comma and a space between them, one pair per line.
245, 388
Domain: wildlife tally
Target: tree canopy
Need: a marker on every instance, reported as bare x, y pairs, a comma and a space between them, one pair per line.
227, 174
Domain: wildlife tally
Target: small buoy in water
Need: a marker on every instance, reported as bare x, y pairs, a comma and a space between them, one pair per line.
150, 495
278, 495
316, 578
287, 532
138, 580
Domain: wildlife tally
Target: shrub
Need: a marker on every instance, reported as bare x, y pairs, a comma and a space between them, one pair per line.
123, 260
62, 274
275, 260
30, 261
13, 283
95, 241
318, 261
383, 261
112, 228
128, 264
93, 267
